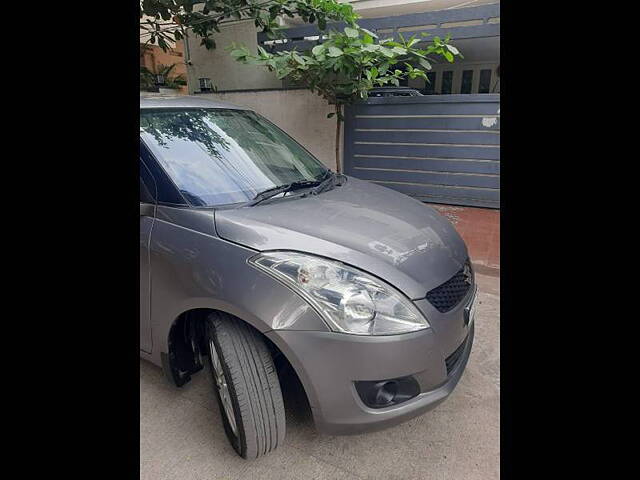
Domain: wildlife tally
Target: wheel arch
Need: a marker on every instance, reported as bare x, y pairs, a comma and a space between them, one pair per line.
186, 347
178, 332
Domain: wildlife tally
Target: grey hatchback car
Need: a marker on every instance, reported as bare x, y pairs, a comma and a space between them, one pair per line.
254, 257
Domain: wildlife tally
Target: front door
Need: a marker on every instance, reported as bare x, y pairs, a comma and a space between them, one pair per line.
147, 218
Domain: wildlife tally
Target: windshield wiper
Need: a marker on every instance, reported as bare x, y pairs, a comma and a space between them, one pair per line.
328, 178
320, 185
272, 192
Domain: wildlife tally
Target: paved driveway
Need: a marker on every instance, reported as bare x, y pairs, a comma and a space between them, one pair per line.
181, 433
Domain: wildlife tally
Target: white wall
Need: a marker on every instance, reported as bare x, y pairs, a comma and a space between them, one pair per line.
225, 72
300, 113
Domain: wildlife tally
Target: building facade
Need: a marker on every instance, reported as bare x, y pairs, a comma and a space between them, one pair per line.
153, 58
477, 38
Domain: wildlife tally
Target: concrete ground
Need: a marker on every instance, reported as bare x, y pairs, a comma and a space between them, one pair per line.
181, 433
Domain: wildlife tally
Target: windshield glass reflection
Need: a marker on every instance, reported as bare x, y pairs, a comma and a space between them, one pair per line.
218, 156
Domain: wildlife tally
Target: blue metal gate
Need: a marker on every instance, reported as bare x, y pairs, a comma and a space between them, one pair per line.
437, 148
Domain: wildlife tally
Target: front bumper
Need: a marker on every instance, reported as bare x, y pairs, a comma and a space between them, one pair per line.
328, 363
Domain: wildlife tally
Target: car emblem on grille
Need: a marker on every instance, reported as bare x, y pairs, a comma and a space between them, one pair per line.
467, 274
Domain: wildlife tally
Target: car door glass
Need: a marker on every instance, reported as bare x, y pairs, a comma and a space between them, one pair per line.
148, 190
166, 193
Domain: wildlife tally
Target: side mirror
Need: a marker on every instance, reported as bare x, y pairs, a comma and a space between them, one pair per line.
146, 209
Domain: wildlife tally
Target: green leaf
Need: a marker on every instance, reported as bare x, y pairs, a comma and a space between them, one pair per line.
351, 32
318, 49
335, 52
388, 52
453, 49
368, 32
424, 63
367, 39
448, 56
284, 72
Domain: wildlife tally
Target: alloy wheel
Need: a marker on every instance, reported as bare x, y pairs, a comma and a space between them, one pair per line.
223, 387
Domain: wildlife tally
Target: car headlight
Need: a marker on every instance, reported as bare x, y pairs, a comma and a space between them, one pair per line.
349, 300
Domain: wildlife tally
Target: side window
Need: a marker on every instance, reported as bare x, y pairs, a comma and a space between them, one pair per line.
485, 81
430, 86
147, 185
447, 82
166, 191
205, 85
467, 81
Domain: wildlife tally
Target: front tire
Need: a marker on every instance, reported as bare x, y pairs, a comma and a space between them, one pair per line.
247, 386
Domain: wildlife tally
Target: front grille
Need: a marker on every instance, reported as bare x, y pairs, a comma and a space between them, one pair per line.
452, 360
450, 293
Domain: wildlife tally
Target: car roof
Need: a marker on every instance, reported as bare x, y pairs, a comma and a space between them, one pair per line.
184, 101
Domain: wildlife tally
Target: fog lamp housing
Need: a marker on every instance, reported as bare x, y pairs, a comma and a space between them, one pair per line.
386, 393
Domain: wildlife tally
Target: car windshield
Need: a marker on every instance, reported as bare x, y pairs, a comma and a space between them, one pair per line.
218, 156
